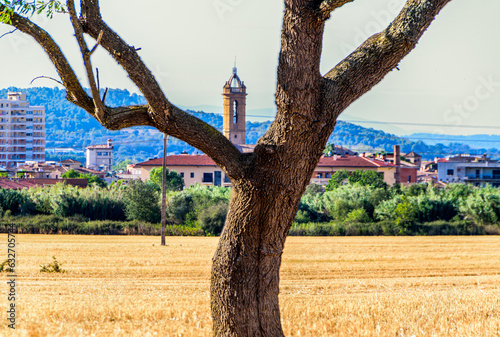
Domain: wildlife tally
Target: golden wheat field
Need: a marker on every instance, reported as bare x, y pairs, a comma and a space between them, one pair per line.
348, 286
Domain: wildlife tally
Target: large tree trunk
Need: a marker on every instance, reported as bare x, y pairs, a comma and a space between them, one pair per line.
245, 271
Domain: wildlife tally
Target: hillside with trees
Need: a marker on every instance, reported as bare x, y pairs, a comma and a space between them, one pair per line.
69, 126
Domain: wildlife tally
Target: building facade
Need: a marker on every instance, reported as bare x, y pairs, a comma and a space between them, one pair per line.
100, 157
22, 131
194, 169
327, 166
477, 171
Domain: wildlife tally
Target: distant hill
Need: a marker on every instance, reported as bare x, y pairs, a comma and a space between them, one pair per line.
474, 141
70, 127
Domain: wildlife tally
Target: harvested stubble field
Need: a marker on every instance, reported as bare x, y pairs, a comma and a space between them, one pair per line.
349, 286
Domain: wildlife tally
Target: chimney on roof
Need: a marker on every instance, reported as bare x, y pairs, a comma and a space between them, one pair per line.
334, 157
397, 162
110, 143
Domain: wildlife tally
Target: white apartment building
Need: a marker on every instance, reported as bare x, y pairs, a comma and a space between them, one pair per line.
100, 157
477, 171
22, 131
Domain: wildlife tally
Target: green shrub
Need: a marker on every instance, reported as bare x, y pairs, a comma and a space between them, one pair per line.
53, 267
302, 217
142, 202
358, 215
482, 206
213, 218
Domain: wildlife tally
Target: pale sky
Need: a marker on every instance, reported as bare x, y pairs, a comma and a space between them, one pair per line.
451, 78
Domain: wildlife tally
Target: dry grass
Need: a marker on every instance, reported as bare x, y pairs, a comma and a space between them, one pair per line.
373, 286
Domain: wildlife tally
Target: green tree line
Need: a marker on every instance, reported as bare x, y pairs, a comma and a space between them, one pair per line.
356, 203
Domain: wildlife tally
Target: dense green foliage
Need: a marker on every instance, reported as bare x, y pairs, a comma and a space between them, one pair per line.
52, 224
203, 206
351, 209
122, 165
398, 210
71, 127
363, 178
174, 181
142, 202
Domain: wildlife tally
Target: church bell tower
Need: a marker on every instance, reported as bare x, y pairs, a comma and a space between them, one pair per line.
234, 93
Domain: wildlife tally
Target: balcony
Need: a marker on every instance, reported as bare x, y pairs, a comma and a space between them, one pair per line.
484, 177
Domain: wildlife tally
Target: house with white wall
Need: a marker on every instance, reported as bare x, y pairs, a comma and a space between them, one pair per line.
477, 171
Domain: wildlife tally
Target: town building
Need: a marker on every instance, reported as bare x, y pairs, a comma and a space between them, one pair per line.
22, 131
477, 171
100, 157
414, 158
234, 109
55, 170
194, 169
327, 166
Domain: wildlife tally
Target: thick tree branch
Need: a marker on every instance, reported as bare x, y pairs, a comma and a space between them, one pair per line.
378, 55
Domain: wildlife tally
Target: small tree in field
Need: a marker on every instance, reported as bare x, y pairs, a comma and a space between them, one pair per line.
268, 183
142, 201
174, 180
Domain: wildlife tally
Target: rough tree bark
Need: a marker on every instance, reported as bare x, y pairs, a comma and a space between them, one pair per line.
267, 184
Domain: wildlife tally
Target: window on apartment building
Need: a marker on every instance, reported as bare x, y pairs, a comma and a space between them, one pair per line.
320, 175
182, 174
327, 175
208, 178
409, 179
449, 172
191, 175
226, 179
99, 153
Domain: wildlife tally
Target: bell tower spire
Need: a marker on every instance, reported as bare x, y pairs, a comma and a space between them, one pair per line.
234, 119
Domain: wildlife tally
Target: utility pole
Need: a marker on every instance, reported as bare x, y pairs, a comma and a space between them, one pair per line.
164, 190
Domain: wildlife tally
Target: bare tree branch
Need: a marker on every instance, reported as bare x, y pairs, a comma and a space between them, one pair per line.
328, 6
75, 92
12, 31
47, 77
99, 106
98, 43
167, 117
378, 55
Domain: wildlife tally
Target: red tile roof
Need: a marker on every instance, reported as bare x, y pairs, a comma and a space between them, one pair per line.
70, 161
349, 161
180, 160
